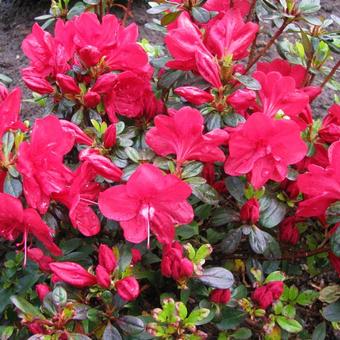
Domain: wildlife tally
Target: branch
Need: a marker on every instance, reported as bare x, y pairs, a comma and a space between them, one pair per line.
330, 74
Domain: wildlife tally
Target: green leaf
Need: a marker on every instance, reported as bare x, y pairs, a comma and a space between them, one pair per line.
230, 318
332, 312
187, 231
307, 297
235, 187
196, 316
289, 311
333, 213
132, 154
77, 9
205, 193
275, 276
293, 293
249, 82
319, 332
223, 216
203, 252
217, 277
191, 170
91, 2
233, 119
5, 79
169, 18
25, 307
330, 294
289, 325
242, 334
111, 333
131, 324
159, 9
12, 186
309, 6
272, 211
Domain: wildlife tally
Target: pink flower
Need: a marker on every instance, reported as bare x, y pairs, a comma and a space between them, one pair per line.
288, 231
91, 99
103, 277
265, 295
73, 274
128, 288
320, 186
230, 36
221, 296
136, 256
40, 162
250, 211
174, 264
149, 201
35, 83
264, 147
80, 136
181, 134
330, 129
89, 55
15, 220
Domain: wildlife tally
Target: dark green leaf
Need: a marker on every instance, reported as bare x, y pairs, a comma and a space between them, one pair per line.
192, 169
332, 312
242, 333
200, 14
91, 2
25, 307
232, 241
249, 82
259, 240
12, 186
217, 277
231, 318
169, 18
59, 296
205, 193
235, 187
131, 324
233, 119
272, 211
319, 332
333, 213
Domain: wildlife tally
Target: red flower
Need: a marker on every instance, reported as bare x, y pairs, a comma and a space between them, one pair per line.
264, 147
37, 255
136, 256
40, 162
91, 99
225, 5
320, 186
10, 104
106, 258
15, 220
221, 296
250, 211
103, 277
80, 136
242, 100
35, 83
279, 93
80, 193
128, 288
181, 134
174, 263
42, 289
330, 130
265, 295
149, 201
288, 231
108, 39
230, 36
73, 274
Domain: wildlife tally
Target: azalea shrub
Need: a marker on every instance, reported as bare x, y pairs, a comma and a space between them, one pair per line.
189, 190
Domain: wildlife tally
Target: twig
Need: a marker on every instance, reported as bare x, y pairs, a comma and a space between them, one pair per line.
330, 74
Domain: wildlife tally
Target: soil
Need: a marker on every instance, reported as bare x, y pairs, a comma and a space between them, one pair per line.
17, 18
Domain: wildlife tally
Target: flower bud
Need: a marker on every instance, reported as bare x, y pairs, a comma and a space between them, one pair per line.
242, 99
136, 256
67, 84
38, 85
250, 211
35, 328
42, 290
289, 232
220, 296
194, 95
174, 264
128, 288
106, 258
103, 277
80, 136
265, 295
110, 136
276, 287
91, 99
89, 55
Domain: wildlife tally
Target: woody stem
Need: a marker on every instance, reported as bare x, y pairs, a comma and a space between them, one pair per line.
331, 74
269, 45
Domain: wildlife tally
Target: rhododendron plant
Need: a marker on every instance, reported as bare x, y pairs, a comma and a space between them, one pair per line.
187, 190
